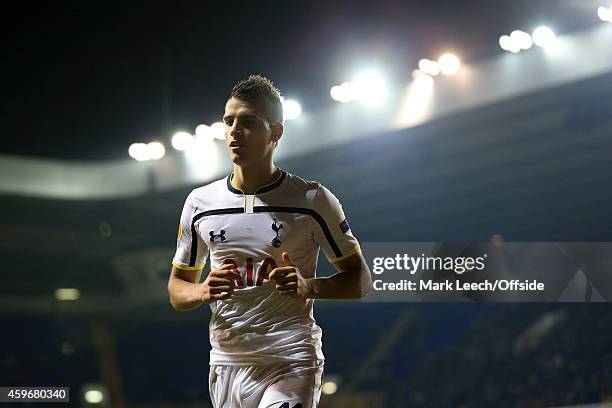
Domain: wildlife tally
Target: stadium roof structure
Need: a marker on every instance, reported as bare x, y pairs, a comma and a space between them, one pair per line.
577, 57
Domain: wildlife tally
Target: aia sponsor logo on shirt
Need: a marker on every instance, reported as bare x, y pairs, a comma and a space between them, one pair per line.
264, 266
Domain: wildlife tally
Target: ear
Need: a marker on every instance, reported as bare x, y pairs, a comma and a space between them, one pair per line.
277, 131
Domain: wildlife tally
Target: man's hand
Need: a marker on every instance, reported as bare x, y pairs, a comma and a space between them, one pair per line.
219, 284
288, 279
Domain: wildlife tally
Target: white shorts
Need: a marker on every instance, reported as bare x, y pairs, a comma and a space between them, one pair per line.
278, 385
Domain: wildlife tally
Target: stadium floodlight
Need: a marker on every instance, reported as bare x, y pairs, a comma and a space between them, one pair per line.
204, 143
329, 387
350, 91
605, 14
291, 109
204, 157
370, 88
506, 43
521, 39
602, 13
336, 93
203, 133
145, 152
543, 36
449, 64
67, 294
217, 130
429, 67
156, 151
139, 151
94, 396
344, 93
182, 141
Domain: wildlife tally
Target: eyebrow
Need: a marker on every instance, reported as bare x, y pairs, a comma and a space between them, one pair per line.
241, 116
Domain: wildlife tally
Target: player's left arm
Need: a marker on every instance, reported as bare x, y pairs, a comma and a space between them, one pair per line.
352, 280
332, 232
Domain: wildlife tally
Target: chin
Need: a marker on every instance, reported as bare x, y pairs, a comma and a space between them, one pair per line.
245, 160
240, 161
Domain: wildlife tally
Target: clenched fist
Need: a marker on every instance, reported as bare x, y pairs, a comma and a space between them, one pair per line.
288, 279
219, 284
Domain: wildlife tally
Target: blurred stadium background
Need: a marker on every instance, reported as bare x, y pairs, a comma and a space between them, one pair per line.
517, 145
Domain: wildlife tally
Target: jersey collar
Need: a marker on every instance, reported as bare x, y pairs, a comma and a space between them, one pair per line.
260, 190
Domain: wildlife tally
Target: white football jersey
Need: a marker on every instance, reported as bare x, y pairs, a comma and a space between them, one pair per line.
257, 325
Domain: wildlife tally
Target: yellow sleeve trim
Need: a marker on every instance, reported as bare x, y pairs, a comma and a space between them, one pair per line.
188, 268
352, 252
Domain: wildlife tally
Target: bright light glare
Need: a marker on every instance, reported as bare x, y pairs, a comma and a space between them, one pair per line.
156, 150
505, 42
203, 158
605, 13
203, 132
344, 93
182, 141
67, 294
217, 130
449, 64
94, 396
371, 88
521, 39
429, 67
417, 101
329, 387
291, 109
543, 36
144, 152
138, 151
336, 93
202, 147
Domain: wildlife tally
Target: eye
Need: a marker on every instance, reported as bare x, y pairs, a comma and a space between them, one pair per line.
248, 122
228, 121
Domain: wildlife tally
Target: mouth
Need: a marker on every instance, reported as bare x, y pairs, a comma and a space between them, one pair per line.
235, 145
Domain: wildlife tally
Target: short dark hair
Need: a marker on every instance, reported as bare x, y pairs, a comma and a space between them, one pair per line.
258, 89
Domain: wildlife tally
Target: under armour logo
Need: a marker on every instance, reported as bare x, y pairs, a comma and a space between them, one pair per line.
220, 236
276, 242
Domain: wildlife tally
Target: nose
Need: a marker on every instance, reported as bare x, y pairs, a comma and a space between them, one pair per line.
235, 129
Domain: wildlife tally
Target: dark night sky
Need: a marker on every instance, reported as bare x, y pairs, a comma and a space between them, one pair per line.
83, 80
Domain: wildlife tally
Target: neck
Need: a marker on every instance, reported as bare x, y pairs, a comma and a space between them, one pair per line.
249, 179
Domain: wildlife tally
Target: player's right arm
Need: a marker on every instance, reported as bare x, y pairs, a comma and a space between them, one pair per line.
184, 287
187, 293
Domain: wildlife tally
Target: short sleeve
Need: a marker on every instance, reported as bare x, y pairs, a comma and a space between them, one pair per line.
331, 230
191, 250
